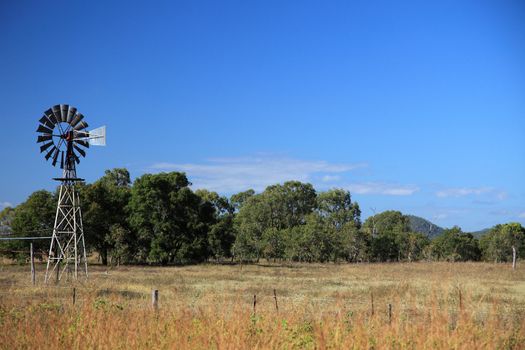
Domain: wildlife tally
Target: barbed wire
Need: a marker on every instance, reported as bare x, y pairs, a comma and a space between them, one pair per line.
22, 238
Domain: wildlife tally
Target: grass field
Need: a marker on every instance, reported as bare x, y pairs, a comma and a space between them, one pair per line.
433, 306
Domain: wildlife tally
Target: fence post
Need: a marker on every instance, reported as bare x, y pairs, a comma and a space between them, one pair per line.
513, 257
389, 313
460, 300
32, 257
74, 295
155, 299
372, 302
254, 303
275, 297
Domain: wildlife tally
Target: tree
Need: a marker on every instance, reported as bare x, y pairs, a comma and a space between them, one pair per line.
170, 220
336, 207
496, 245
220, 235
309, 242
33, 218
289, 203
122, 243
6, 219
455, 245
252, 220
387, 232
341, 219
237, 200
412, 245
104, 203
263, 217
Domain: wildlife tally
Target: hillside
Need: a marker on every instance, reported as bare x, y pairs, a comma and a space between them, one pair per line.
418, 224
480, 233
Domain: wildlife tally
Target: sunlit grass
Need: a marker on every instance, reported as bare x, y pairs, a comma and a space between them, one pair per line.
434, 305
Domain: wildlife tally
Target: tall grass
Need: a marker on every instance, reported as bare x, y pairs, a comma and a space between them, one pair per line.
434, 306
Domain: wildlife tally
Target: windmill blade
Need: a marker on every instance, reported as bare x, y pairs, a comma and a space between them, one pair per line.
75, 157
56, 112
45, 146
44, 137
44, 120
82, 143
80, 150
62, 160
63, 112
76, 119
55, 157
70, 114
51, 116
44, 130
81, 125
50, 152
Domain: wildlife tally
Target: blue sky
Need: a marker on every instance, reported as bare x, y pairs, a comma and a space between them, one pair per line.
416, 106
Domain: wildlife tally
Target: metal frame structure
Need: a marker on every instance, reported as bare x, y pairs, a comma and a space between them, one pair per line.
62, 130
68, 248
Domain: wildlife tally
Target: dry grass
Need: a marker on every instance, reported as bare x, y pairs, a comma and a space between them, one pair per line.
320, 306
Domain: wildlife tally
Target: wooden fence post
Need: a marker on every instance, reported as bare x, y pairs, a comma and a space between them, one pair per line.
389, 313
74, 295
254, 303
275, 297
372, 303
513, 257
155, 299
460, 300
32, 257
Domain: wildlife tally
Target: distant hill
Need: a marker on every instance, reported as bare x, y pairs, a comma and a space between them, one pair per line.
480, 233
418, 224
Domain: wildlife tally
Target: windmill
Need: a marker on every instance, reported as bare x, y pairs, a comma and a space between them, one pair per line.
63, 136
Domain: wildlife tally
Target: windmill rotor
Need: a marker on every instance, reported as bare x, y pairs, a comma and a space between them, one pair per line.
63, 136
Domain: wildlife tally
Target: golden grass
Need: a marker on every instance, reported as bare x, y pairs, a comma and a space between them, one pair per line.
320, 306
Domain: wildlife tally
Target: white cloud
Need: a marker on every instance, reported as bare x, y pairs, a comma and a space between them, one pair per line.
471, 191
440, 216
382, 188
331, 178
5, 205
228, 175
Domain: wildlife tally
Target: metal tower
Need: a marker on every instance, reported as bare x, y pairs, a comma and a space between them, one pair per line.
67, 249
62, 131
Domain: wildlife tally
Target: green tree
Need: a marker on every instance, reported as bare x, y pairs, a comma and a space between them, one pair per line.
104, 206
341, 219
221, 235
309, 242
122, 242
387, 232
237, 200
337, 208
6, 219
252, 220
33, 218
455, 245
496, 245
170, 220
265, 216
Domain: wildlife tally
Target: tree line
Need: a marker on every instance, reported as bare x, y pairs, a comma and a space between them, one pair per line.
159, 219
